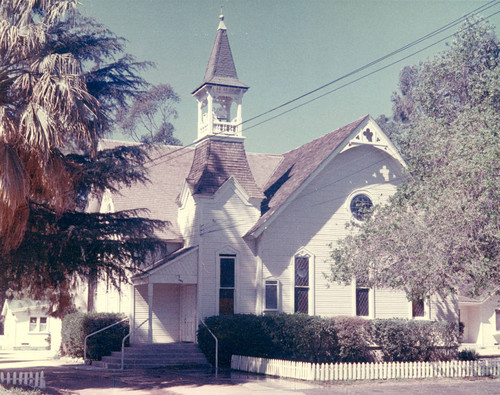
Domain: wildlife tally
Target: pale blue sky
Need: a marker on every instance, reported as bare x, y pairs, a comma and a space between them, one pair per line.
282, 49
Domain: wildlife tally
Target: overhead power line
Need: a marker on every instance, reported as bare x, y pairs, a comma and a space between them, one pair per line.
397, 51
362, 77
156, 161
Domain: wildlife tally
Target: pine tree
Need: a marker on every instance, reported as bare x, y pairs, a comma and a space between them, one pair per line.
63, 79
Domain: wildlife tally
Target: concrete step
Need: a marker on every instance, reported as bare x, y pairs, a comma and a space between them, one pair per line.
157, 359
145, 365
155, 355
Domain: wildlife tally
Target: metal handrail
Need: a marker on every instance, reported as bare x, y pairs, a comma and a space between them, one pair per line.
216, 347
95, 333
127, 336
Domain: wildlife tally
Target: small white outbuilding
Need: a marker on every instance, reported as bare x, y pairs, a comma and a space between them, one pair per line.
27, 325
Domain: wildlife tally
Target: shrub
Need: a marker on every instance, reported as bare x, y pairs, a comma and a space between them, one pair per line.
299, 337
239, 333
295, 337
409, 340
76, 326
352, 334
468, 355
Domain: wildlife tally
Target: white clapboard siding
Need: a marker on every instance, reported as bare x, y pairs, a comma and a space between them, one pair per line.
225, 219
141, 313
316, 218
166, 313
26, 379
365, 371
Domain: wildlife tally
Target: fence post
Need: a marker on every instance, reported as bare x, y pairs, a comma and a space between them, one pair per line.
42, 380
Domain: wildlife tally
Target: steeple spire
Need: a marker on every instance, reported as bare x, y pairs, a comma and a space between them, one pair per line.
222, 26
219, 95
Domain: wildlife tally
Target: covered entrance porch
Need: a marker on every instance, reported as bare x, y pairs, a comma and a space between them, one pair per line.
165, 300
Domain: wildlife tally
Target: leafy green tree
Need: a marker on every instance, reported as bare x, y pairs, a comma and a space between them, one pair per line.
440, 232
63, 79
150, 113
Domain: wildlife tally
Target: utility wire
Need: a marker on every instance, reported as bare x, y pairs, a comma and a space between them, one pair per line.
421, 39
360, 78
403, 48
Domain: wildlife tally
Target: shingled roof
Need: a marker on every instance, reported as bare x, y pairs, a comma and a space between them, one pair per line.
168, 170
215, 161
296, 166
221, 69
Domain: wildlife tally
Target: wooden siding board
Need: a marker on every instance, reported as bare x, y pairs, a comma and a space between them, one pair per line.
141, 313
166, 312
391, 304
317, 217
226, 218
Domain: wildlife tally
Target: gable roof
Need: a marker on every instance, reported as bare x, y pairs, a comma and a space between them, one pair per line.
466, 296
165, 261
221, 69
297, 166
215, 161
167, 172
20, 305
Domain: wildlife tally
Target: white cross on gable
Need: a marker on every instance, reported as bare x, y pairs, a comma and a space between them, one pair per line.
385, 172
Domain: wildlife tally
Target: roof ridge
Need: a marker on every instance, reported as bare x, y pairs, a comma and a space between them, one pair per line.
351, 124
297, 166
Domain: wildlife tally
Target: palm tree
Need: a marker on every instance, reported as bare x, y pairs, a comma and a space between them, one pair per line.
59, 87
44, 106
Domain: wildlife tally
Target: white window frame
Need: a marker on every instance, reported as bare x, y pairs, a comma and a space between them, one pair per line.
278, 295
223, 253
37, 328
371, 301
305, 253
352, 196
427, 311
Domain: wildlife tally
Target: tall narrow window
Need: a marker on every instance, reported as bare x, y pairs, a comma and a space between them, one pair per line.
226, 290
271, 295
418, 308
302, 284
362, 302
497, 320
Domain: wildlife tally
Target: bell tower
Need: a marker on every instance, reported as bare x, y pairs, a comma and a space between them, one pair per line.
220, 94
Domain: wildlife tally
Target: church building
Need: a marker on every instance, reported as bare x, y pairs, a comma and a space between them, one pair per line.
253, 233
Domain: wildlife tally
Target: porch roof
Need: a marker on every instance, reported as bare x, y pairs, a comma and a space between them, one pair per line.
179, 267
465, 297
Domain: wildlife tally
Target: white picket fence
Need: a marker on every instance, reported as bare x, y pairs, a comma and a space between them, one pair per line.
364, 371
27, 379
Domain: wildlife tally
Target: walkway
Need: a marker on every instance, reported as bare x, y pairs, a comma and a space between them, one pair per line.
71, 377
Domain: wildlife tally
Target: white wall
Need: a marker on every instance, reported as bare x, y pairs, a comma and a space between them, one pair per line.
18, 334
480, 322
317, 217
224, 219
166, 305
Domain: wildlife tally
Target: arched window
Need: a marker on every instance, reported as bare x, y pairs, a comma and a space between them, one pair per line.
302, 284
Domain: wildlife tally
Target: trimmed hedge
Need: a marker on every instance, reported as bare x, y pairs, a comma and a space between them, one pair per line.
76, 326
300, 337
409, 340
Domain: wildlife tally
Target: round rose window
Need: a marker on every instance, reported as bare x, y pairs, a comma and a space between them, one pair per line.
361, 206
